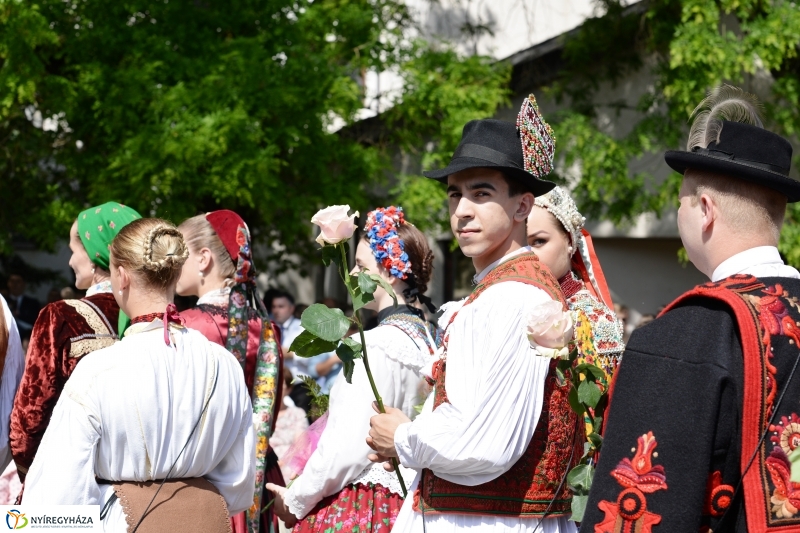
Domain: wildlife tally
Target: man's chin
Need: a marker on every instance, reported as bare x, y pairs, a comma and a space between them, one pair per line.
471, 249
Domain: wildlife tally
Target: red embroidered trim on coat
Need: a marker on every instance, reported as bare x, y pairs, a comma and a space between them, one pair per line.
767, 318
639, 477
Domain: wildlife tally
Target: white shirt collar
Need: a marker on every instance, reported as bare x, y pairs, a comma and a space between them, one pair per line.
102, 287
761, 261
482, 274
216, 297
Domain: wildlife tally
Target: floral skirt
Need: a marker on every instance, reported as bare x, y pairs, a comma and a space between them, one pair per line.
356, 509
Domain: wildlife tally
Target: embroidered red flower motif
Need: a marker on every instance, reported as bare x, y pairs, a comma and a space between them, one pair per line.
785, 498
775, 319
638, 476
241, 240
112, 225
718, 495
640, 472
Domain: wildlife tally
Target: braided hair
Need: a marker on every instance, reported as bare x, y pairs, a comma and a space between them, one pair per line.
152, 249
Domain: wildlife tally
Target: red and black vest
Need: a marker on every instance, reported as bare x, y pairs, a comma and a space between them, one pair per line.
767, 313
535, 485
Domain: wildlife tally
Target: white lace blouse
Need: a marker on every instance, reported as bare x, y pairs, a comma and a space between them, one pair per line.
341, 455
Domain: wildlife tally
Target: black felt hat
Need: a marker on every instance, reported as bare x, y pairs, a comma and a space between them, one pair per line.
745, 152
490, 143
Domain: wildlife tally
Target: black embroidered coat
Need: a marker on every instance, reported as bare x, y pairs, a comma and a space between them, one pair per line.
673, 454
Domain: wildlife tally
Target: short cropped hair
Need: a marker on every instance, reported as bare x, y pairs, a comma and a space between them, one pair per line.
515, 187
283, 294
745, 207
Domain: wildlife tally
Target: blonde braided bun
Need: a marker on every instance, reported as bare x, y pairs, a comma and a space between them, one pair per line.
151, 249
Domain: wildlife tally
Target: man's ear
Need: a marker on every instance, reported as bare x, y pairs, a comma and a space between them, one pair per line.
524, 206
709, 211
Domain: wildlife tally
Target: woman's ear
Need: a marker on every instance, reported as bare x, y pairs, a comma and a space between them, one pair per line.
204, 259
124, 278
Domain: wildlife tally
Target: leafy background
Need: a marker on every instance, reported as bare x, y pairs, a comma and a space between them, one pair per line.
179, 107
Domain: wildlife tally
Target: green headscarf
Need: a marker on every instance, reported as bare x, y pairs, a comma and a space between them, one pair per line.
97, 227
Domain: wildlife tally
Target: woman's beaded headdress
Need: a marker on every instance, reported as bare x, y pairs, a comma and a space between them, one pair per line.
386, 244
563, 207
538, 139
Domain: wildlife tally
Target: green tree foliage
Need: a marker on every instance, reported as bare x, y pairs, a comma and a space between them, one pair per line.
445, 91
178, 107
687, 47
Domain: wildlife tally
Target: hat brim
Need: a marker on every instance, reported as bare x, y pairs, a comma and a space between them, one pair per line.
680, 161
535, 185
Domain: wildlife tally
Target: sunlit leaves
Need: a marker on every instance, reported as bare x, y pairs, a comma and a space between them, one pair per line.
326, 323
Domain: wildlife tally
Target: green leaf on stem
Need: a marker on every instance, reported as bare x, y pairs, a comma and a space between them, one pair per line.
331, 254
591, 371
308, 345
366, 283
348, 351
572, 355
579, 502
327, 324
596, 439
589, 393
386, 286
560, 377
359, 296
360, 299
574, 402
580, 478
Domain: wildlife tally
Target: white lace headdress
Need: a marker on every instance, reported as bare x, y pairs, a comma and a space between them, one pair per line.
560, 203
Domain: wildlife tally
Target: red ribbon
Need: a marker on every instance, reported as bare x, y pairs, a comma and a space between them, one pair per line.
171, 315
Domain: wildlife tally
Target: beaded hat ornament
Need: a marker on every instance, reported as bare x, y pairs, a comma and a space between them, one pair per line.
563, 207
538, 139
386, 244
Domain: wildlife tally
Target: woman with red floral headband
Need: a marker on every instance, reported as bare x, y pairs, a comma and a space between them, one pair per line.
219, 270
339, 487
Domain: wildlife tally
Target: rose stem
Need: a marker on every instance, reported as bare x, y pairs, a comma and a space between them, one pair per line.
356, 318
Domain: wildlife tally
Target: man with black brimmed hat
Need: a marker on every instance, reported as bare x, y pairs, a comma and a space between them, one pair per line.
703, 431
497, 437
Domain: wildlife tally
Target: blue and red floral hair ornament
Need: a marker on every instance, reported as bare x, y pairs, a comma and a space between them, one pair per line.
389, 250
386, 244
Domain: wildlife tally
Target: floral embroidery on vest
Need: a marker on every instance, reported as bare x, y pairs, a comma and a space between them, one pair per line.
639, 477
768, 320
535, 484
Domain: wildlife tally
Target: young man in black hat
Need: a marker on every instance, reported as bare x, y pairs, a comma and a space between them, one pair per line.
496, 438
703, 425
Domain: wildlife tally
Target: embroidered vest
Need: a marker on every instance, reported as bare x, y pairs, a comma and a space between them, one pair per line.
103, 334
767, 314
536, 484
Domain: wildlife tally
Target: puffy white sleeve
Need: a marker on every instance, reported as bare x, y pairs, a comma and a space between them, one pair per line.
235, 475
12, 374
341, 453
495, 386
64, 475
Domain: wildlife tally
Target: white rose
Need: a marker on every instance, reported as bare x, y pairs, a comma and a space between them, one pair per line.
550, 328
335, 224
